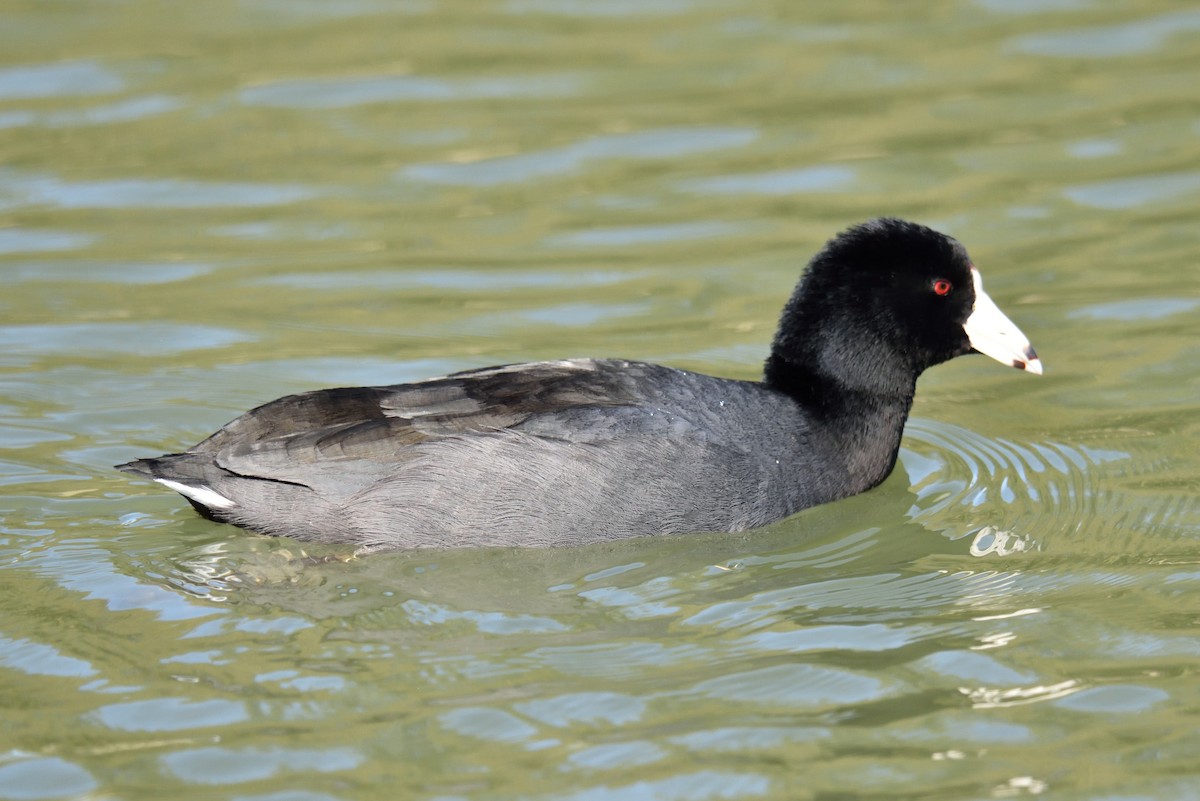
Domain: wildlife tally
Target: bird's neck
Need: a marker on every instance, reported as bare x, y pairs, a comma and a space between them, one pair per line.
858, 425
840, 374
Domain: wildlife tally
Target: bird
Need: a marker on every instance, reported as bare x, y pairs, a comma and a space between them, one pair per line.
579, 451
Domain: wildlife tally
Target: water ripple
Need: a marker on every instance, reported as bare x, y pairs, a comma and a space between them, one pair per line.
613, 756
61, 79
127, 110
424, 613
608, 8
38, 659
330, 93
104, 272
1033, 6
486, 723
208, 766
171, 714
1114, 698
967, 479
655, 144
823, 178
127, 338
1129, 193
808, 687
448, 279
699, 786
21, 190
47, 777
1125, 39
590, 708
1138, 309
320, 11
1094, 148
27, 240
621, 236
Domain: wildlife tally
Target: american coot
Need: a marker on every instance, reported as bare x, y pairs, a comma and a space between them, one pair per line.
577, 451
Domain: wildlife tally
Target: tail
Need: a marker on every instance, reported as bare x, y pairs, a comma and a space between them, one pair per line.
189, 474
146, 468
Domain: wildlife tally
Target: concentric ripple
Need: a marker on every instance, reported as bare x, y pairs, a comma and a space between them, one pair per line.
1007, 495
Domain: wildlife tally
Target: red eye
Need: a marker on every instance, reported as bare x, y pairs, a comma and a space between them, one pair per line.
942, 286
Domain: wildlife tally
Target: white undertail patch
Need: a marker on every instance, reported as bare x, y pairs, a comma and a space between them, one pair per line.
205, 496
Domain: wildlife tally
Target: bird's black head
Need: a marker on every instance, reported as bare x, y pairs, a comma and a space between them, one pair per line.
883, 301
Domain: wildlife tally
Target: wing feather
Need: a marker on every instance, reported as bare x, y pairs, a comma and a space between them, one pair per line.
373, 429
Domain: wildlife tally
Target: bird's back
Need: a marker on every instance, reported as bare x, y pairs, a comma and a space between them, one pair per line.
545, 453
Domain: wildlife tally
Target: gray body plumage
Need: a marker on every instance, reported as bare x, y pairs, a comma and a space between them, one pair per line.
538, 454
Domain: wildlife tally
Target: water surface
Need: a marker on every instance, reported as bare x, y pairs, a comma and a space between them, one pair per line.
203, 207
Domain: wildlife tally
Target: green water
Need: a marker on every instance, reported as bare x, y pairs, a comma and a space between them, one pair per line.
205, 206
